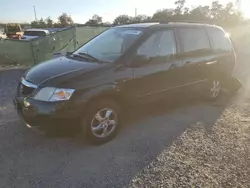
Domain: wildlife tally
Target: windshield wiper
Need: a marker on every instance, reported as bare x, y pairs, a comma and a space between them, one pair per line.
79, 56
88, 57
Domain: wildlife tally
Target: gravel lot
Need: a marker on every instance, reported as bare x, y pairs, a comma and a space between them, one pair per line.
202, 158
30, 160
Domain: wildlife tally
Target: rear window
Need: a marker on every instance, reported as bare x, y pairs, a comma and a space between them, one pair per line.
35, 33
193, 39
219, 39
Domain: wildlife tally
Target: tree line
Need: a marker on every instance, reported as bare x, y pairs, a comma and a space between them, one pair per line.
64, 20
216, 13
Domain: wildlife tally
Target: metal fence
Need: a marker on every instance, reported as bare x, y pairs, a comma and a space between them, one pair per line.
41, 49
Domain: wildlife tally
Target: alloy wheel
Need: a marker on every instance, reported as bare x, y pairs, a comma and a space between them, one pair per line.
104, 123
215, 89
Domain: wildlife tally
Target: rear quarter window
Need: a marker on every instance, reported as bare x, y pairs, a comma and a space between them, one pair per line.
220, 41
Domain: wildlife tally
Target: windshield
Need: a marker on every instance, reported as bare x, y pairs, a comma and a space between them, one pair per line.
111, 44
35, 33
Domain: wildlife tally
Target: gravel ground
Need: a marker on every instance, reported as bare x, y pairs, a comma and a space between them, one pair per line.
200, 158
8, 82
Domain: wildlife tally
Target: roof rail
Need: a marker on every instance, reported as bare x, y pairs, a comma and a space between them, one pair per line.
184, 21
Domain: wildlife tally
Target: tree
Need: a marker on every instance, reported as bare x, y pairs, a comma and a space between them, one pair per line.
106, 23
200, 13
122, 19
95, 20
38, 24
216, 13
140, 18
42, 23
225, 15
216, 9
163, 15
230, 15
179, 6
34, 24
65, 20
49, 22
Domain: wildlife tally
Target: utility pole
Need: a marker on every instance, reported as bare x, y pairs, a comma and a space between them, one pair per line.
35, 12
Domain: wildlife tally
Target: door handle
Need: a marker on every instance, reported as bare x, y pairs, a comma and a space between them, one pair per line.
211, 62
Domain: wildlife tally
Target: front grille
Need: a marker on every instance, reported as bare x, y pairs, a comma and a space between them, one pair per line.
26, 88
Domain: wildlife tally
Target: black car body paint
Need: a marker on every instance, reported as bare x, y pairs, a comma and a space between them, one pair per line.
180, 74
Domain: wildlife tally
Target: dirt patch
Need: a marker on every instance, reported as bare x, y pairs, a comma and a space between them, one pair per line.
220, 158
8, 67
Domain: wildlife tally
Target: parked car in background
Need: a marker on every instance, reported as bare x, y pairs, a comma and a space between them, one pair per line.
30, 34
125, 65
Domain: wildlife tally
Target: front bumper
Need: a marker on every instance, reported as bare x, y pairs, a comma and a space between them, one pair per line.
45, 116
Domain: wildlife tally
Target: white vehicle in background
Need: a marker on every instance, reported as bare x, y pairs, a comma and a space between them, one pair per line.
30, 34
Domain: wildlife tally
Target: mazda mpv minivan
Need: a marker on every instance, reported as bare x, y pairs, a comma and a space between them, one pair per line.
125, 65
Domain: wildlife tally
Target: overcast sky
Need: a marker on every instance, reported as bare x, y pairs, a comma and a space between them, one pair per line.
82, 10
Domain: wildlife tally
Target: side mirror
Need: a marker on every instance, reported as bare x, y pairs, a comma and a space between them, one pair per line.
139, 60
68, 53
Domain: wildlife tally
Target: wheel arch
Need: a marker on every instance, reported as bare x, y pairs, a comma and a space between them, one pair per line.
110, 92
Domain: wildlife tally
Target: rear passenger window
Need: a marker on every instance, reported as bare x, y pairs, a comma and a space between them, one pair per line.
219, 40
194, 39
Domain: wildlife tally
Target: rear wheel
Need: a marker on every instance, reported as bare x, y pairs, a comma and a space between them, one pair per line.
214, 89
102, 122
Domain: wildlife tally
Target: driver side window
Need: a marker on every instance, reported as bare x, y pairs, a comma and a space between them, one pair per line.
159, 44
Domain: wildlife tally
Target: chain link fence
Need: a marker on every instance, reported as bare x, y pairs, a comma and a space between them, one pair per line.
41, 49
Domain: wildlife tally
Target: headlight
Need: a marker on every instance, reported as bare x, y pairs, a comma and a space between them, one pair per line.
54, 94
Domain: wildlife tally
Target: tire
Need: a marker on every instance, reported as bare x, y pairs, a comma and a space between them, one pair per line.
101, 122
214, 89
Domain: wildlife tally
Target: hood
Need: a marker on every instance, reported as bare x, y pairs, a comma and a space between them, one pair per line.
58, 67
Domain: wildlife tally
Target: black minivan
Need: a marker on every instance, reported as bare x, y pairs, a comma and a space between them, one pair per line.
124, 65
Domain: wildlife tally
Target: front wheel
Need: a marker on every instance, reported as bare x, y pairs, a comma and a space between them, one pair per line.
102, 121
